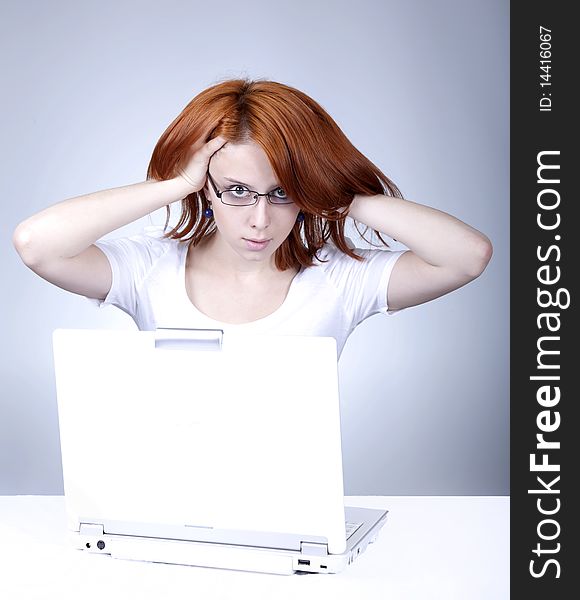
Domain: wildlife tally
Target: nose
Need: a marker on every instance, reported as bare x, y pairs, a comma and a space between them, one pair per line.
260, 213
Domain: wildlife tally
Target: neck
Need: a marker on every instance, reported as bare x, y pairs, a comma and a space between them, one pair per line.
215, 256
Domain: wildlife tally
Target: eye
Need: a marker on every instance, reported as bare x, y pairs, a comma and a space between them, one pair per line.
239, 191
280, 193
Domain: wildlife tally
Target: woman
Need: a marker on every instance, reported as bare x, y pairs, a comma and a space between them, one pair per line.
266, 179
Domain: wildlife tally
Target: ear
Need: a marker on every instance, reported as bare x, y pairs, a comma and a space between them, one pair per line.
206, 195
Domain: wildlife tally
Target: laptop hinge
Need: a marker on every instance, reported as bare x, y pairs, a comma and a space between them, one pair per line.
91, 529
315, 549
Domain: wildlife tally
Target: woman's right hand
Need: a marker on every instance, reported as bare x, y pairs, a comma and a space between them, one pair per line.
195, 170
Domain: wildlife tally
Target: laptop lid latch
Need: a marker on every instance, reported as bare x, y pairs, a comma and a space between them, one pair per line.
91, 529
314, 549
92, 537
189, 339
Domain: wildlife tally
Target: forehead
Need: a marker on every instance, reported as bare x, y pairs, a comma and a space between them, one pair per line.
245, 162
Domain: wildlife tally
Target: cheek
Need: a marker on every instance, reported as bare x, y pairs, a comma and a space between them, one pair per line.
286, 224
294, 218
231, 225
224, 218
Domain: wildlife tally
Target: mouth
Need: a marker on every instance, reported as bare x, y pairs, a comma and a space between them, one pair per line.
256, 244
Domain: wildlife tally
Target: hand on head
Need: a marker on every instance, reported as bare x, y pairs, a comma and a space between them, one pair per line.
195, 170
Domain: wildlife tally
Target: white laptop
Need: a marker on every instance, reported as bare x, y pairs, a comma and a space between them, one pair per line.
198, 448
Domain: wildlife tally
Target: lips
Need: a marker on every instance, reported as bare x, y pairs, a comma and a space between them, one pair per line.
257, 246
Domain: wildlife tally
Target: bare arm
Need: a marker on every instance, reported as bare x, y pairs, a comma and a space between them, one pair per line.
445, 253
69, 227
58, 242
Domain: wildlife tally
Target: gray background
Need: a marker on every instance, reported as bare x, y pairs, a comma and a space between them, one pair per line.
420, 87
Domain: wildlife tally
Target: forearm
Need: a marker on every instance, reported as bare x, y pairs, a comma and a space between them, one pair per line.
69, 227
435, 236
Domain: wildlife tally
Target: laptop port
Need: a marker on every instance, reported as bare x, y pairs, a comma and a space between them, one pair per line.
303, 562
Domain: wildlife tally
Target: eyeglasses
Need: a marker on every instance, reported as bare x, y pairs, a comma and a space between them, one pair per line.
240, 195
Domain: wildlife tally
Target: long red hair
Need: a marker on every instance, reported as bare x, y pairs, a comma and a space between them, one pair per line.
315, 163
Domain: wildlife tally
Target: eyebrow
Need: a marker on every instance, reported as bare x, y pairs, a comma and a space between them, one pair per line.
246, 184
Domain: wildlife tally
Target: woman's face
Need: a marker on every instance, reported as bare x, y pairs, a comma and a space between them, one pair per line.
247, 165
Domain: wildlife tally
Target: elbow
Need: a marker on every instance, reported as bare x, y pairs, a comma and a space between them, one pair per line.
22, 242
480, 254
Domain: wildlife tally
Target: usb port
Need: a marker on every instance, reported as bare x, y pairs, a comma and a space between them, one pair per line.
303, 562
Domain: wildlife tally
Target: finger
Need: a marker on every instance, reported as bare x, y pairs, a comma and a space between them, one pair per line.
202, 139
217, 142
213, 146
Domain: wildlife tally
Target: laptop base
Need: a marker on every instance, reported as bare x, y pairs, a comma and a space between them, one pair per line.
92, 539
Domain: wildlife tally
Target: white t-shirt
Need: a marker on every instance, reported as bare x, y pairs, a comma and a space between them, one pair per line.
328, 299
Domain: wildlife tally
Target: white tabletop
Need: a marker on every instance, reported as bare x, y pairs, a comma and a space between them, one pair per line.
447, 547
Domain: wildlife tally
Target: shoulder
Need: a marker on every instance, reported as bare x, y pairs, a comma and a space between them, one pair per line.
151, 236
373, 264
329, 252
360, 284
332, 255
143, 248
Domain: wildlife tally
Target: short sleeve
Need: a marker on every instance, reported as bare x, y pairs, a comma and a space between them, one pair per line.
131, 259
363, 284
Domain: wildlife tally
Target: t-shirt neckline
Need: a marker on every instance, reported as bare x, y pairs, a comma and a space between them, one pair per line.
183, 288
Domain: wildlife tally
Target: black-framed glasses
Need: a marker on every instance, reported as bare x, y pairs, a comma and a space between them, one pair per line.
240, 195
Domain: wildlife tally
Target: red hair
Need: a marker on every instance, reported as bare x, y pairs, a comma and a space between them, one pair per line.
315, 163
